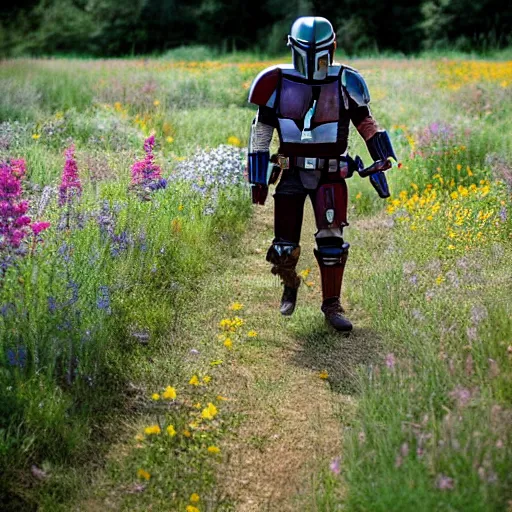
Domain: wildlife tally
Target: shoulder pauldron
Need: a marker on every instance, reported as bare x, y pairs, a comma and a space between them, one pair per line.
355, 86
263, 89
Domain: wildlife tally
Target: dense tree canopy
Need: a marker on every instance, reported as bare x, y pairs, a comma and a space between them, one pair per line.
112, 27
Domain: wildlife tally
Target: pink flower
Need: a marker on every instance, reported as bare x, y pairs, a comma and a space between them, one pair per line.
38, 227
390, 361
145, 172
70, 185
445, 483
334, 466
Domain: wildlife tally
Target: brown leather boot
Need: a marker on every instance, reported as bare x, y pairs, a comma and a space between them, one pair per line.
333, 314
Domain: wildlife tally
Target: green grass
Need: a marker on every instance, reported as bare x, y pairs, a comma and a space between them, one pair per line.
435, 415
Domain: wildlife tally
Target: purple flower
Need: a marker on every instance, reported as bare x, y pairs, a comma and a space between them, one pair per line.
17, 357
103, 301
461, 395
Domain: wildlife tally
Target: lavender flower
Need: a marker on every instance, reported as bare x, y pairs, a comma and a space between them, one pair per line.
103, 301
17, 357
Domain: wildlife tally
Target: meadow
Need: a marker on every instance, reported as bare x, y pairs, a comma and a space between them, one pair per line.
126, 222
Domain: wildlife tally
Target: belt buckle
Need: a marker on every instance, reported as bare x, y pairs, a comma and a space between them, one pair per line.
283, 161
309, 163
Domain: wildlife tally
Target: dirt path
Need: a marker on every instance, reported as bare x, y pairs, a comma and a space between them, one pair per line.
291, 427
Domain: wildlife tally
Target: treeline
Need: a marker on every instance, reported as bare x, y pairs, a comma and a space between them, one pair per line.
114, 27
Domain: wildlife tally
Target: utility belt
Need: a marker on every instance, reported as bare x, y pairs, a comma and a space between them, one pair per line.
314, 163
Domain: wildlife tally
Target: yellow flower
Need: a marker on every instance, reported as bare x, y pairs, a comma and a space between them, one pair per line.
197, 405
141, 473
171, 431
225, 324
194, 381
220, 397
228, 343
194, 498
459, 167
451, 247
216, 362
439, 279
454, 195
156, 103
206, 379
323, 374
187, 433
208, 413
252, 334
234, 141
36, 136
153, 429
170, 139
359, 195
155, 396
236, 306
468, 170
213, 449
180, 207
305, 273
169, 393
191, 508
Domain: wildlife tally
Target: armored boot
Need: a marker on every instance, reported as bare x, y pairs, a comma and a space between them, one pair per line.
333, 314
288, 300
284, 257
332, 256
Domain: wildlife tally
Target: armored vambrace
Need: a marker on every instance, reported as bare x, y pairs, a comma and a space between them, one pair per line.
380, 148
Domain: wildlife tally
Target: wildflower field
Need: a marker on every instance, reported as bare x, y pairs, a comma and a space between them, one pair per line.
143, 362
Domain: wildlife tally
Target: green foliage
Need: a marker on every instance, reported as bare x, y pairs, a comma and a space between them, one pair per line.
108, 27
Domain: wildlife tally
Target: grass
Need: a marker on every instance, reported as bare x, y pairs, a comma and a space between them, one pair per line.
421, 390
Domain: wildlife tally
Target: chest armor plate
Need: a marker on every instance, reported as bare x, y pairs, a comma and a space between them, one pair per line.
296, 99
295, 112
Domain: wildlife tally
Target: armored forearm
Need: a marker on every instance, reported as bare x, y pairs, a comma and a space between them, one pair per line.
259, 153
380, 148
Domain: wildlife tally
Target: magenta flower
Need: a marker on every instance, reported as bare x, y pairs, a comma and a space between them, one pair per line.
38, 227
13, 221
145, 172
70, 185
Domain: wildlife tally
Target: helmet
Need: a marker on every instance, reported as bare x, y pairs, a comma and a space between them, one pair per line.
312, 41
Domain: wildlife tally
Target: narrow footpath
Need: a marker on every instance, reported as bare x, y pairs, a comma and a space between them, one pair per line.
293, 384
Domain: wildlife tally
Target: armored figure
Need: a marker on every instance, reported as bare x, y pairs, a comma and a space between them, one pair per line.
311, 103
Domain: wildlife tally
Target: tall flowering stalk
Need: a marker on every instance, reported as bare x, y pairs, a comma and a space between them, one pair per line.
146, 174
70, 185
15, 224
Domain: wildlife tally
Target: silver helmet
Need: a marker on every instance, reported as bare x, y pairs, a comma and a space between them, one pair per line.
312, 40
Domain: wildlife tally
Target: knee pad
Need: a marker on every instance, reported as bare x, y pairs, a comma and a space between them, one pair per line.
283, 254
331, 251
